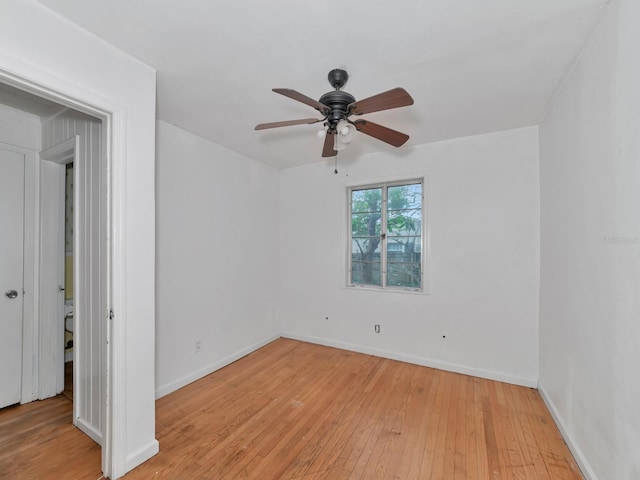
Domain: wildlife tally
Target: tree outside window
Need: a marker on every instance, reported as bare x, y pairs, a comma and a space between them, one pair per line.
386, 235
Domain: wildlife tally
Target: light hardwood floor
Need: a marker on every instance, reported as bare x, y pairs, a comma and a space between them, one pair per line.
294, 410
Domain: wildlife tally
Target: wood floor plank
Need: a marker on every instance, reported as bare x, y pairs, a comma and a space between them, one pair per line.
472, 456
38, 440
355, 434
298, 411
326, 449
433, 461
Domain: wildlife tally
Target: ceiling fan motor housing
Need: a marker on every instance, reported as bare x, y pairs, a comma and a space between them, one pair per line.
338, 101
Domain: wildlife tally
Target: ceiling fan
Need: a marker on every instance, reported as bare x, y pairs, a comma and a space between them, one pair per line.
338, 106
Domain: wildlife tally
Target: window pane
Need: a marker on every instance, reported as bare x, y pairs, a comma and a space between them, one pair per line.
403, 249
365, 249
365, 224
404, 222
404, 275
365, 201
405, 197
404, 236
366, 221
366, 273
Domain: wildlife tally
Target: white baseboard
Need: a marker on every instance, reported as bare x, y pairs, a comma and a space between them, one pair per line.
142, 455
89, 430
586, 469
173, 386
425, 362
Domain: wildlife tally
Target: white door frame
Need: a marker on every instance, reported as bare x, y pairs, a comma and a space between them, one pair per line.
114, 449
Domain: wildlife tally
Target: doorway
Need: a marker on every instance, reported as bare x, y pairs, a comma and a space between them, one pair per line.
69, 301
66, 137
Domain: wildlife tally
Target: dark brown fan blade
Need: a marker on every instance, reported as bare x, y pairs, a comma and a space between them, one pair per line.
286, 123
287, 92
392, 137
327, 150
398, 97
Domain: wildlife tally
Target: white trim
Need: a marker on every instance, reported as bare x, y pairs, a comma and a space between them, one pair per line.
52, 87
31, 285
107, 418
136, 458
426, 242
88, 430
373, 288
192, 377
581, 459
425, 362
116, 418
63, 152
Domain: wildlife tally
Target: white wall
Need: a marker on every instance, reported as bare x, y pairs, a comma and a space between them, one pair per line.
590, 251
41, 47
483, 260
217, 266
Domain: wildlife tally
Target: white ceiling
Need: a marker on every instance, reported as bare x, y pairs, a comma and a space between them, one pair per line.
472, 66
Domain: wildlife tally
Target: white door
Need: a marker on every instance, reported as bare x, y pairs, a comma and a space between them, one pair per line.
11, 275
51, 316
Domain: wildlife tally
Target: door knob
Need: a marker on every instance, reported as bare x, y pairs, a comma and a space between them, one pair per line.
11, 294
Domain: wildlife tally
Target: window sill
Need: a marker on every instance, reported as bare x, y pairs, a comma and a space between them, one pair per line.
373, 288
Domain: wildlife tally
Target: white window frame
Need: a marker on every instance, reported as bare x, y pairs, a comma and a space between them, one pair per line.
383, 230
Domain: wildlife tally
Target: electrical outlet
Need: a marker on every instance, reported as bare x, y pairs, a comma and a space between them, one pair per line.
198, 346
376, 328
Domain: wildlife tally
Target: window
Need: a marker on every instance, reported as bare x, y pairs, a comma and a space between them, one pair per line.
385, 233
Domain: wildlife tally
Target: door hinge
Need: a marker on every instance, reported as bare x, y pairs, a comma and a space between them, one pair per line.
110, 314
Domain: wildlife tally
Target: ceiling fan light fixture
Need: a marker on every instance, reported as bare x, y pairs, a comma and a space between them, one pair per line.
322, 133
346, 131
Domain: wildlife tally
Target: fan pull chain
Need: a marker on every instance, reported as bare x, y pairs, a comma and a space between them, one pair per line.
336, 165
